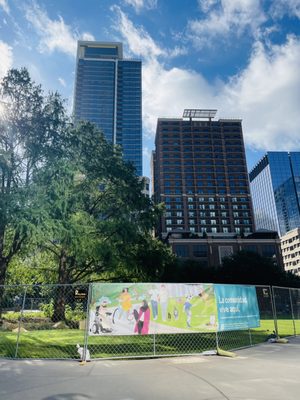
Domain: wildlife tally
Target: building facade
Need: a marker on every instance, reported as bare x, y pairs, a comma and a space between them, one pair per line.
200, 174
211, 250
290, 247
275, 189
108, 92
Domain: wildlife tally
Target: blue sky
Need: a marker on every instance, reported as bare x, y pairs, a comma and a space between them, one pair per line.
239, 56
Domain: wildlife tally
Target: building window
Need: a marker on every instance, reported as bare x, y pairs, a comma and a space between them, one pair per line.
192, 229
190, 207
235, 215
212, 214
200, 250
178, 214
168, 221
211, 207
214, 230
181, 250
192, 222
224, 214
225, 230
179, 222
213, 222
236, 222
190, 199
211, 199
191, 214
169, 229
168, 214
224, 221
202, 207
237, 230
178, 207
268, 250
203, 221
201, 199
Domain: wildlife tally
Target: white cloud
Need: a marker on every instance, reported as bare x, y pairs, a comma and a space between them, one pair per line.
280, 8
139, 41
62, 82
225, 17
6, 59
4, 5
54, 34
266, 94
138, 5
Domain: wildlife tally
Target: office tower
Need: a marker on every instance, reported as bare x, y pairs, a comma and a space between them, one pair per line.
199, 172
275, 189
290, 247
108, 93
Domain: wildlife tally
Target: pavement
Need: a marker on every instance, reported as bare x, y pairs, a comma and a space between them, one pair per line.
265, 372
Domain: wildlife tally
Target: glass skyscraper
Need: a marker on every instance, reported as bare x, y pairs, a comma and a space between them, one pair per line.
108, 92
275, 188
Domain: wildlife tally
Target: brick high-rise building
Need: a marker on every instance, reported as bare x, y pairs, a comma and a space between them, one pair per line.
200, 173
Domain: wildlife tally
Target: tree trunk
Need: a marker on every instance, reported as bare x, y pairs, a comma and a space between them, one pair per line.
60, 297
3, 268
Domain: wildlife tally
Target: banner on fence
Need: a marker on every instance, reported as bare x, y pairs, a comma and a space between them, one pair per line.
237, 307
150, 308
135, 308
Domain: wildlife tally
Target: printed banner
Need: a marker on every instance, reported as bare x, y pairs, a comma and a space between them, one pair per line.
147, 308
237, 307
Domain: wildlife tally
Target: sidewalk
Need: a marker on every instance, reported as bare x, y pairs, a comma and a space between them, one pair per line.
265, 372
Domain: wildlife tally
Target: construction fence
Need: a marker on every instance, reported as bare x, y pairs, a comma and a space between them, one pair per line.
50, 321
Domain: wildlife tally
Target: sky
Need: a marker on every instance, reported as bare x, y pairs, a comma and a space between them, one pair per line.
241, 57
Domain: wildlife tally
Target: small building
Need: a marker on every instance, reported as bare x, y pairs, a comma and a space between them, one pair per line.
211, 249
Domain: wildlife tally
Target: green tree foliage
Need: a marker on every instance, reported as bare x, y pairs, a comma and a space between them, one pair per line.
240, 268
251, 268
30, 127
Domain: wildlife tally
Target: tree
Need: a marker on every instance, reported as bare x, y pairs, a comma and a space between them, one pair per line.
251, 268
95, 211
30, 132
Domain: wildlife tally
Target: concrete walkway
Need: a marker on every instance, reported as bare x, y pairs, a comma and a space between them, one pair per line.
265, 372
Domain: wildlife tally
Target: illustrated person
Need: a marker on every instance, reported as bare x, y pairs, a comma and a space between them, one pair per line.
187, 309
154, 302
125, 302
163, 298
143, 319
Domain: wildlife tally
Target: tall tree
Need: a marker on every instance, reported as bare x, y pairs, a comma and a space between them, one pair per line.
96, 211
30, 132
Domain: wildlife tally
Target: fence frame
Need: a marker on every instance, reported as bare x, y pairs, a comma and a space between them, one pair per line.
155, 352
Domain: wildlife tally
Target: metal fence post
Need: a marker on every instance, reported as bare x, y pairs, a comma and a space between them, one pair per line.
292, 309
274, 309
20, 320
87, 324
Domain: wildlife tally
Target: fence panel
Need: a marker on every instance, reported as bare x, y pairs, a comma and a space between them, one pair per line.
283, 311
267, 326
295, 299
11, 301
54, 326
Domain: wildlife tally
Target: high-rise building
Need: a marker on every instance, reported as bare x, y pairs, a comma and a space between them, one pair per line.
275, 189
108, 93
290, 247
199, 172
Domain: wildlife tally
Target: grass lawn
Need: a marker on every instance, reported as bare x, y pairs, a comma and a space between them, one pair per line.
61, 343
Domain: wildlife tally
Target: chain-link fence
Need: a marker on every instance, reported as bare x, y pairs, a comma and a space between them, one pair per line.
49, 321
